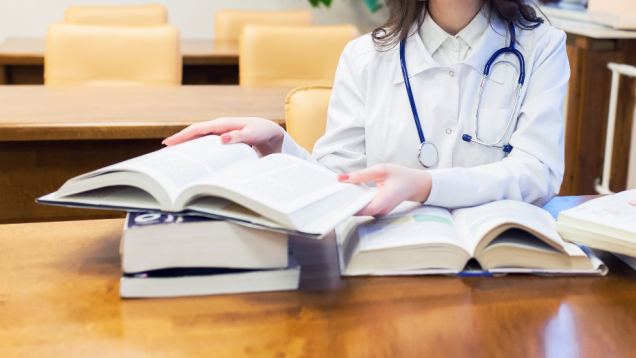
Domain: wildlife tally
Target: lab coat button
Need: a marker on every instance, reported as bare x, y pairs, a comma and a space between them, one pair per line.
449, 131
451, 73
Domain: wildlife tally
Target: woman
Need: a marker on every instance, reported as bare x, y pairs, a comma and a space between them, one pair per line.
371, 133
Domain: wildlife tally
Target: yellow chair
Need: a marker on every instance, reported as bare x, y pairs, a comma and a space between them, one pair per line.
306, 114
291, 56
147, 15
83, 54
228, 24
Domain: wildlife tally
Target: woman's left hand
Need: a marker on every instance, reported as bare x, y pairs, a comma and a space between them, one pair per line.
395, 184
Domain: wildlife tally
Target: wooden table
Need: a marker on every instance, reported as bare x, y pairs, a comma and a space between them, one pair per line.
51, 134
204, 61
590, 47
59, 287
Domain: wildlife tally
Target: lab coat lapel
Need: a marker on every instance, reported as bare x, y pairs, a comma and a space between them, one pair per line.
495, 37
417, 57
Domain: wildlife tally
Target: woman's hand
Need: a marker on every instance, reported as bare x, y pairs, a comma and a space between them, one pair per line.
395, 184
265, 136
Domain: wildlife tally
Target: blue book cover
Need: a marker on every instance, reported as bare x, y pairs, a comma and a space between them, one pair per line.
141, 219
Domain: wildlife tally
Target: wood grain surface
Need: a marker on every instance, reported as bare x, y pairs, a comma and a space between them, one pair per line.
32, 113
59, 287
30, 51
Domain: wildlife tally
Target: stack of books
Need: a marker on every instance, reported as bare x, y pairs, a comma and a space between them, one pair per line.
167, 255
246, 207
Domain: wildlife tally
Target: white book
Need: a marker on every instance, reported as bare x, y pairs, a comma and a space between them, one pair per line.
606, 223
503, 236
152, 241
208, 281
279, 191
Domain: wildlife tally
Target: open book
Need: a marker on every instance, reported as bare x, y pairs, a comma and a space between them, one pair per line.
503, 236
279, 192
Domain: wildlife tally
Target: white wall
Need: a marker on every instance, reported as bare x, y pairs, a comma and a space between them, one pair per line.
30, 18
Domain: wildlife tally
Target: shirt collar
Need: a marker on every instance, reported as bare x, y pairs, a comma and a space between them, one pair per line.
474, 30
434, 36
419, 59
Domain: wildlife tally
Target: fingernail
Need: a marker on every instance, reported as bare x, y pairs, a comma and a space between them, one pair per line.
226, 138
343, 176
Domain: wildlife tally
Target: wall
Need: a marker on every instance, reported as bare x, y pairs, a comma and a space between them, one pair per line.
30, 18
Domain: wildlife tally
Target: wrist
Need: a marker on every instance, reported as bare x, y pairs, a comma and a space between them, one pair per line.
423, 184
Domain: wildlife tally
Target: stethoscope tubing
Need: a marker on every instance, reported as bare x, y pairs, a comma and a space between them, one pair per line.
409, 92
487, 68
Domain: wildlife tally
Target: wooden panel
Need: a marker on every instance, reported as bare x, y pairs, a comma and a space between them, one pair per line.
192, 74
588, 105
29, 170
3, 75
25, 74
59, 285
572, 124
77, 112
22, 51
206, 75
210, 52
624, 122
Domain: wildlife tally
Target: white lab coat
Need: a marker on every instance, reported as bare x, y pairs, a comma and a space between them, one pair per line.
370, 119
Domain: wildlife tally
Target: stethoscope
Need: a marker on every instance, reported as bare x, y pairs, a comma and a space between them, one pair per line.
427, 154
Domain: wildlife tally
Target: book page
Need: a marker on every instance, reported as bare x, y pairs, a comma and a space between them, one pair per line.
280, 181
617, 211
409, 224
179, 166
476, 222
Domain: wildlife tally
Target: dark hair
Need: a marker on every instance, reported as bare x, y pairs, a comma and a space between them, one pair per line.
404, 13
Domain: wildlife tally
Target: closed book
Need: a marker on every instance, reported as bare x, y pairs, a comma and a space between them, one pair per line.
208, 281
153, 241
606, 223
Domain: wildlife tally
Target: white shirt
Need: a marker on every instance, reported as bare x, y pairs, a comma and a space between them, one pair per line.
448, 50
370, 119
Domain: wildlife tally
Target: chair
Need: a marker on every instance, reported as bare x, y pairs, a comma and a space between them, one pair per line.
228, 24
306, 114
147, 15
87, 54
291, 56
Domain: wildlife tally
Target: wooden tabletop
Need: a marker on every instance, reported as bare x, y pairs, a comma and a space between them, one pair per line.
59, 296
29, 113
30, 51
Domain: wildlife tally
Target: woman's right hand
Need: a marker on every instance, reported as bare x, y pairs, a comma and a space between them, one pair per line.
265, 136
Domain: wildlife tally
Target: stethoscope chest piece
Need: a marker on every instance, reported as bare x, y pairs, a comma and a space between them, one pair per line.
427, 155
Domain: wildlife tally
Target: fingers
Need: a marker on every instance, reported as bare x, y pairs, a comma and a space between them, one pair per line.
237, 136
218, 126
375, 173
